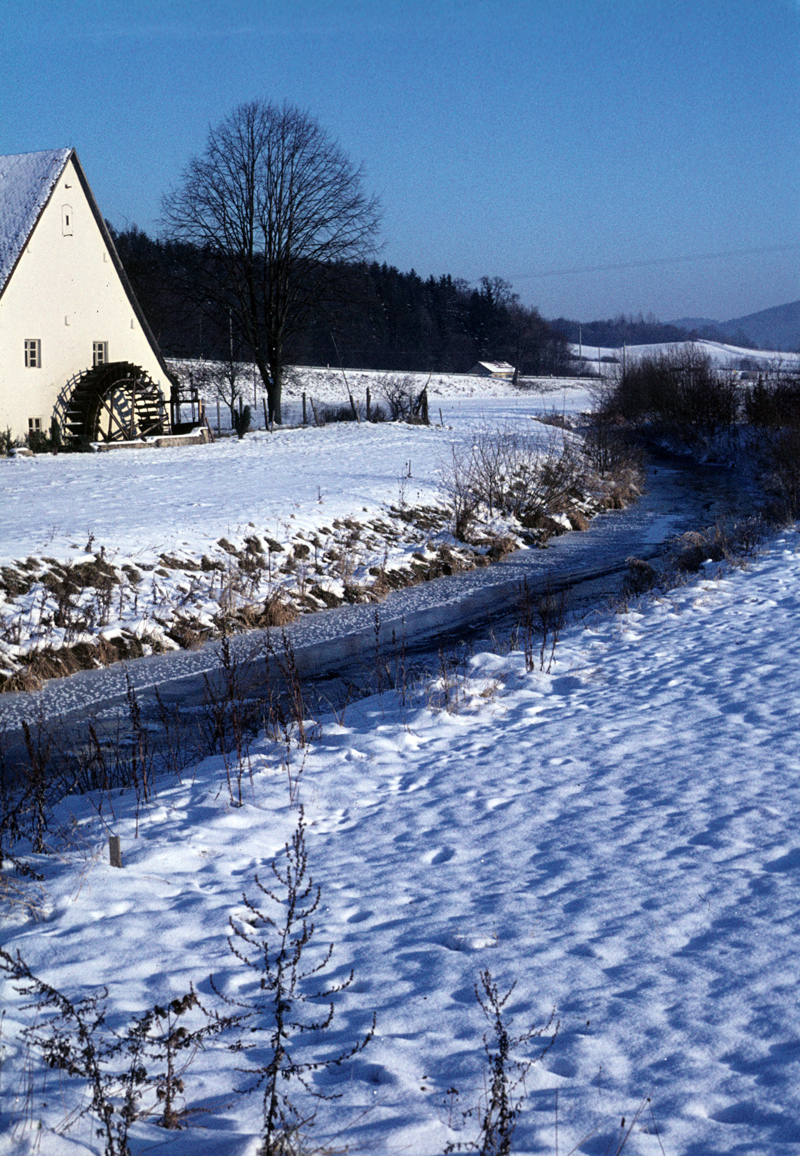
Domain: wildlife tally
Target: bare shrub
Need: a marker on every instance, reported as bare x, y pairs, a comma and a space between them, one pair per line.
336, 413
512, 473
447, 692
526, 625
640, 578
19, 817
542, 617
224, 381
401, 396
552, 612
241, 418
504, 1073
130, 1073
295, 699
231, 715
274, 941
39, 747
457, 483
774, 401
680, 392
783, 479
772, 408
398, 392
531, 479
608, 447
734, 542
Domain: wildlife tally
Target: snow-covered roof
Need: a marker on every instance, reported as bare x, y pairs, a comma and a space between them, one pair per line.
26, 182
501, 367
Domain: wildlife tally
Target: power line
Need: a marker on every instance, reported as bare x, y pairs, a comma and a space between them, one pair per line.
650, 261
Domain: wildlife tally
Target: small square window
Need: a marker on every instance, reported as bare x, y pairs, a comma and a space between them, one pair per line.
33, 353
34, 425
99, 352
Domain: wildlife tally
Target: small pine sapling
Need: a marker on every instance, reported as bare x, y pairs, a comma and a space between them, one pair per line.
241, 420
274, 941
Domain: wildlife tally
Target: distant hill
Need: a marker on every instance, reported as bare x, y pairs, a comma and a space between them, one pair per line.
776, 328
694, 324
618, 331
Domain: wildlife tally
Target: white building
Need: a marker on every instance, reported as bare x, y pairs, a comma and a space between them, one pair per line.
492, 369
74, 343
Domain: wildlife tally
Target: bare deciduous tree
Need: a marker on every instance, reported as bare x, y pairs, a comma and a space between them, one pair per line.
277, 208
223, 381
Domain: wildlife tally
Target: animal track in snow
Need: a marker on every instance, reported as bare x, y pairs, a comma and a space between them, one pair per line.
443, 855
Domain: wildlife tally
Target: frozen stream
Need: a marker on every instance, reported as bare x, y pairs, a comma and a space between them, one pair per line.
341, 643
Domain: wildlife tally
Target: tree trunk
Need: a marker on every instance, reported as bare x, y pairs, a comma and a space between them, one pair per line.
272, 377
274, 386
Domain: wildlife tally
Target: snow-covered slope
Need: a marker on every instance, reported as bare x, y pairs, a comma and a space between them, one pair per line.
617, 836
722, 355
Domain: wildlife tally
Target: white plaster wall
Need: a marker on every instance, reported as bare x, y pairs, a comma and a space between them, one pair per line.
65, 291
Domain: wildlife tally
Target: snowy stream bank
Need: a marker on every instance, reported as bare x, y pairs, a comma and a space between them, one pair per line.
679, 497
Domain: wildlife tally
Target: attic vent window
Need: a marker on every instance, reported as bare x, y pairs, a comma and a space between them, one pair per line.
33, 353
99, 352
66, 220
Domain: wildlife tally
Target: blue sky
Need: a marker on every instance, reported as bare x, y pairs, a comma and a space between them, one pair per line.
604, 156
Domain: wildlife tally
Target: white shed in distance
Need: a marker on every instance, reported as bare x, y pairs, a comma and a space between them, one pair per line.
492, 369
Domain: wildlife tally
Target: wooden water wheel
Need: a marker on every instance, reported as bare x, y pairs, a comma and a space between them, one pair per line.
114, 403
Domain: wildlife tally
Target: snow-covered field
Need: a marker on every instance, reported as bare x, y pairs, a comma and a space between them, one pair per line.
722, 355
618, 836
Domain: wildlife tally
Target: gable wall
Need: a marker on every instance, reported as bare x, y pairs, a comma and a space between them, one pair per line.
66, 292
